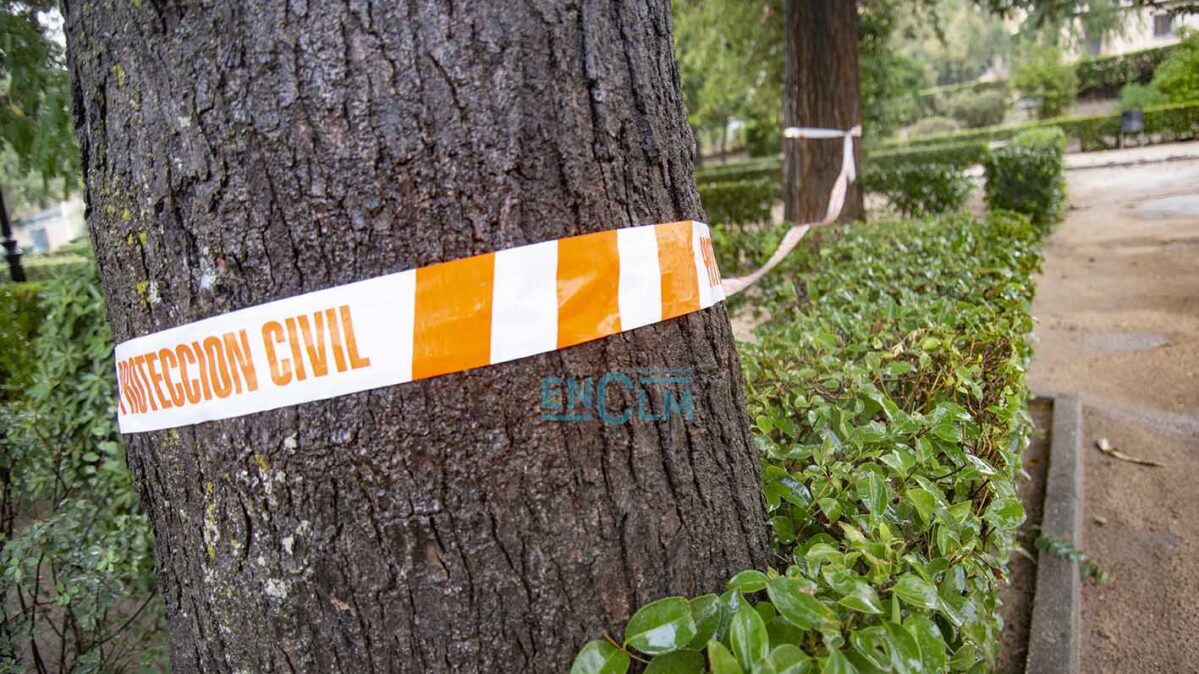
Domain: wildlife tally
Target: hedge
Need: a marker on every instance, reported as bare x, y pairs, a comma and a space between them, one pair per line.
919, 189
755, 169
739, 201
1028, 175
1094, 132
21, 313
46, 267
891, 415
1103, 77
961, 154
1097, 78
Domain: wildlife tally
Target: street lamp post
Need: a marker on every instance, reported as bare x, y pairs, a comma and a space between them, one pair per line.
12, 250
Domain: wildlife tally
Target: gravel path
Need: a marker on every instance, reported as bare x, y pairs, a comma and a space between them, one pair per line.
1118, 310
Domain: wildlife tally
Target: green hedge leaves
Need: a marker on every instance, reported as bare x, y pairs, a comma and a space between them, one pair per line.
890, 413
1028, 175
740, 201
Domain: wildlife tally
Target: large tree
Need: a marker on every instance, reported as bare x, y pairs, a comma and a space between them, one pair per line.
236, 153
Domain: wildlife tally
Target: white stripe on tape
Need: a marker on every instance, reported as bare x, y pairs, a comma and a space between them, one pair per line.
524, 313
640, 280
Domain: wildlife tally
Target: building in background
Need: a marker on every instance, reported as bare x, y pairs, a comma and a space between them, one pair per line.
1140, 28
46, 230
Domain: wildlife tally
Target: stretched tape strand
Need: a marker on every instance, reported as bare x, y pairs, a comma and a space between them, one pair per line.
415, 324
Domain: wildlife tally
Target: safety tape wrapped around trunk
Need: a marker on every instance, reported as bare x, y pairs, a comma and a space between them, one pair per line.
415, 324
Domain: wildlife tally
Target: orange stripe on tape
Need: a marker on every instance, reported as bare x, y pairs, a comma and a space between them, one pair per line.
676, 259
588, 288
452, 330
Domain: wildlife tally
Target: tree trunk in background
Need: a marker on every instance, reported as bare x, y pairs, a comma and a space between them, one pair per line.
237, 153
820, 90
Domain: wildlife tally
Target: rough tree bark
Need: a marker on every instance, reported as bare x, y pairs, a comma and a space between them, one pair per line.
820, 89
241, 152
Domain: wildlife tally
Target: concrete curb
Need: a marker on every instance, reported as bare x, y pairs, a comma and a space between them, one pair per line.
1133, 162
1053, 642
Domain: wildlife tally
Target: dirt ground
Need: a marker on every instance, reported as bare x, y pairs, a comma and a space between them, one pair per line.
1118, 311
1018, 595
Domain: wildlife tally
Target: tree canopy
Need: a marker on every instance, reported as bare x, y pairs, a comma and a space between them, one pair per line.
35, 116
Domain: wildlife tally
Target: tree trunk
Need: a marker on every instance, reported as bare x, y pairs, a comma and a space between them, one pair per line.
236, 153
820, 90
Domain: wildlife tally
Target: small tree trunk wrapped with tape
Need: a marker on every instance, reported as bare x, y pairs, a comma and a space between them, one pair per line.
820, 90
238, 153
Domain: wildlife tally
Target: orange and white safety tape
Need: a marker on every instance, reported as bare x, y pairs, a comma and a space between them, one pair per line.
415, 324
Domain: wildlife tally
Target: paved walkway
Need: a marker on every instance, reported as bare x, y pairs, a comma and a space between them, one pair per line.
1118, 312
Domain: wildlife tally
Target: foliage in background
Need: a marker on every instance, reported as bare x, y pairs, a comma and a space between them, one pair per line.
35, 121
1171, 122
1103, 77
890, 412
730, 62
933, 125
885, 74
27, 192
1028, 175
976, 110
76, 571
754, 169
740, 249
1140, 96
920, 189
1041, 74
20, 316
739, 201
1178, 76
958, 155
960, 47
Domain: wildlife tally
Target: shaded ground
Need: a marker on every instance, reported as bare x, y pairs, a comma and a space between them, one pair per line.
1017, 597
1118, 306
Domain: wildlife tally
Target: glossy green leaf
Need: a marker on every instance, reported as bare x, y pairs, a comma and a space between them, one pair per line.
965, 657
931, 641
707, 613
1006, 513
789, 659
836, 663
916, 591
661, 626
748, 638
784, 529
782, 631
721, 661
799, 607
862, 598
831, 508
678, 662
924, 503
872, 489
600, 657
905, 651
873, 645
748, 581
